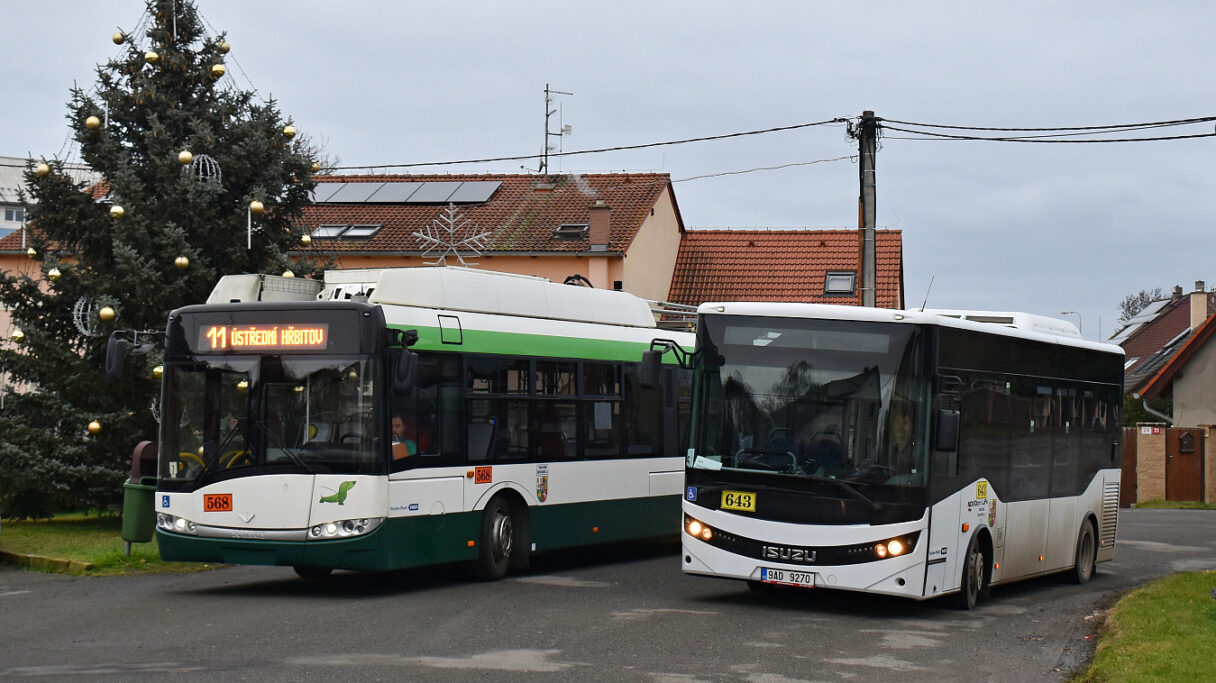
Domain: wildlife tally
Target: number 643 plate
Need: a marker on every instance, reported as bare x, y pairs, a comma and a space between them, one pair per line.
739, 500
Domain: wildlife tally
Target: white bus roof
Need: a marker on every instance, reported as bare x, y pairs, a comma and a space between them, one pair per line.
448, 288
1016, 324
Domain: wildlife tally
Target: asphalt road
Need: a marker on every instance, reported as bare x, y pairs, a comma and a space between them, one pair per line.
617, 613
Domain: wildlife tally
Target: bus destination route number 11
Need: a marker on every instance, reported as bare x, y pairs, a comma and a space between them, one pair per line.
286, 337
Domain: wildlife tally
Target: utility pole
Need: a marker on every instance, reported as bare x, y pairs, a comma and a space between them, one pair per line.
867, 143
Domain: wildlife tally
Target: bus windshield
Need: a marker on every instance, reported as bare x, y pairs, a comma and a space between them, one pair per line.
810, 399
238, 415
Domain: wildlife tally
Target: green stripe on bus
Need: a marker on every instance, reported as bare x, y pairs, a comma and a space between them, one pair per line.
521, 344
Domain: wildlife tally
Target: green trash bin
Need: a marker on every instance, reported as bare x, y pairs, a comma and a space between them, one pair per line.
138, 510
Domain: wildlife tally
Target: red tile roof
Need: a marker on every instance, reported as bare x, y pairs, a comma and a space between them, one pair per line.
1144, 346
781, 265
521, 215
1162, 382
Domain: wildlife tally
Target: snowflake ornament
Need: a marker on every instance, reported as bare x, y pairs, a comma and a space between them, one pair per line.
451, 233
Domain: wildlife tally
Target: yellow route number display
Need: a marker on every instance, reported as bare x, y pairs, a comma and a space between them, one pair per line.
739, 500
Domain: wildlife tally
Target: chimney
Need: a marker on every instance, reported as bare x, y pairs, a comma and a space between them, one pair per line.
1177, 293
599, 232
1199, 305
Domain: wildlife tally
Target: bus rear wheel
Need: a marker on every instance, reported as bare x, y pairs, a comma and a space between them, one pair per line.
1087, 555
498, 540
973, 576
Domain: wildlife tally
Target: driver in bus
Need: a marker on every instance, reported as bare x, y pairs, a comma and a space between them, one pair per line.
407, 438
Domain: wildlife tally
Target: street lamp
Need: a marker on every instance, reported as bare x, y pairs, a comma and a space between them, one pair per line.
1080, 329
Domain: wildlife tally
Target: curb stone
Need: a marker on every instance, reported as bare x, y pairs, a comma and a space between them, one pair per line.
46, 563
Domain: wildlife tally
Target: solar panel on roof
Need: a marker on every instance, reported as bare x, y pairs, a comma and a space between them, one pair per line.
354, 193
394, 193
434, 193
474, 191
324, 191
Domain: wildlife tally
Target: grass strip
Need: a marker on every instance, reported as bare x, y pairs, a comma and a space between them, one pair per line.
82, 544
1165, 631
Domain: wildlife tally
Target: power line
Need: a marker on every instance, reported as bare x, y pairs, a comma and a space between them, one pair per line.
928, 135
1151, 124
763, 168
527, 157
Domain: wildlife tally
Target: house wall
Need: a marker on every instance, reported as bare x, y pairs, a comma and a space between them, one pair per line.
1150, 462
650, 261
1194, 401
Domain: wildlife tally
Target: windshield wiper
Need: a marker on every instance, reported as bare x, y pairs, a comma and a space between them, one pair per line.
296, 459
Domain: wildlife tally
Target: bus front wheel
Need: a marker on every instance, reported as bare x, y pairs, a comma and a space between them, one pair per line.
973, 576
1087, 555
498, 540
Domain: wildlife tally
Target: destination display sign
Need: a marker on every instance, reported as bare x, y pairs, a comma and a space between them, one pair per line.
272, 337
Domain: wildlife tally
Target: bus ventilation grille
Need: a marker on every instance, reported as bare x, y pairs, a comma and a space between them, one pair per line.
1110, 512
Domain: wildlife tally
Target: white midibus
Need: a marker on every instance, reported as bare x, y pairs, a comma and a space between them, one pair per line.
907, 453
401, 417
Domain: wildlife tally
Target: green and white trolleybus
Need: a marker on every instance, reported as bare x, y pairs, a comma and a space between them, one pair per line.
401, 417
907, 453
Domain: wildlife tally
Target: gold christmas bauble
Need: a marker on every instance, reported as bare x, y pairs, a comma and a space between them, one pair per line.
288, 273
17, 335
306, 240
217, 70
92, 123
151, 57
181, 262
117, 211
42, 170
242, 386
184, 157
106, 313
31, 253
316, 166
53, 274
256, 207
224, 47
118, 38
158, 371
94, 427
289, 132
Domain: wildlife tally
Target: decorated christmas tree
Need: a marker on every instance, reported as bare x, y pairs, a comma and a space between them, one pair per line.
199, 179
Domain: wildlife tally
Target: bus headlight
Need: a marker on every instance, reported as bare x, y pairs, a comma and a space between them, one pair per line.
893, 547
345, 528
696, 529
167, 522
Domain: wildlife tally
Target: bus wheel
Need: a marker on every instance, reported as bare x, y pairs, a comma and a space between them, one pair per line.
497, 540
973, 576
1087, 555
312, 572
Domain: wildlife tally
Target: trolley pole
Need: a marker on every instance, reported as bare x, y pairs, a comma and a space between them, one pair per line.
867, 142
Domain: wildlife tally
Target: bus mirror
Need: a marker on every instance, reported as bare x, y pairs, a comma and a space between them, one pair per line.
406, 374
648, 374
116, 356
947, 430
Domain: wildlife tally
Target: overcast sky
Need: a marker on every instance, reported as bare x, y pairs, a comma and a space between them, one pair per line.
1042, 228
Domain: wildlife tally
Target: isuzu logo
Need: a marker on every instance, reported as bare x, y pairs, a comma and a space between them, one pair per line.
786, 554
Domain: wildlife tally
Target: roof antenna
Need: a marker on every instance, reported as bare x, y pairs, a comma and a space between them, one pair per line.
927, 290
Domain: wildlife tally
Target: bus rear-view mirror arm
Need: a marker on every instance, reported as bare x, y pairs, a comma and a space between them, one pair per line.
946, 430
652, 360
406, 374
123, 343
